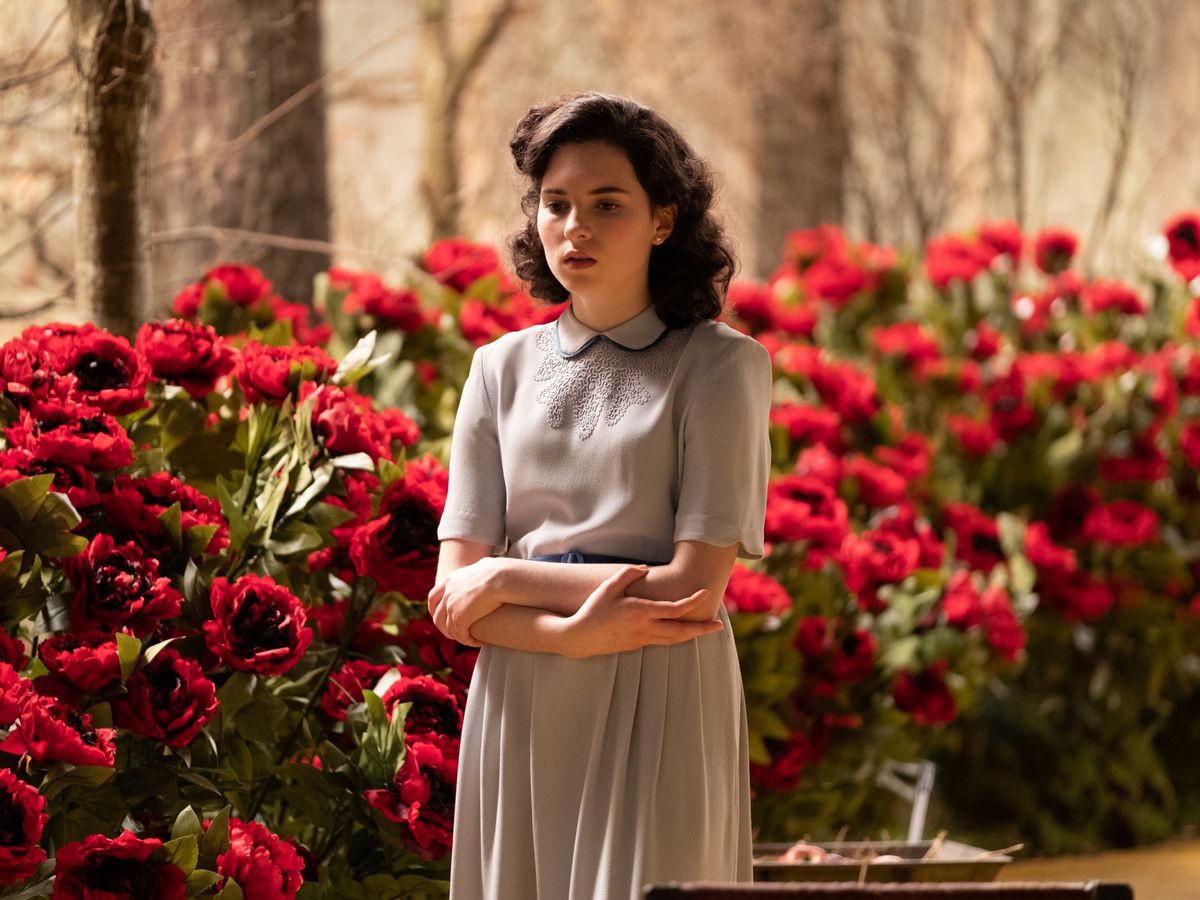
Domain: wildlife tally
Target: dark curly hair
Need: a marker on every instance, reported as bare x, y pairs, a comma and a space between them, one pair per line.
689, 271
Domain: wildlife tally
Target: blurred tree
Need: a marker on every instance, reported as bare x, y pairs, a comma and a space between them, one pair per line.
445, 71
112, 46
239, 143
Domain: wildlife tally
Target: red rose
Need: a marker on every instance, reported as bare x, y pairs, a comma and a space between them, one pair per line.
118, 587
954, 258
906, 339
808, 424
854, 657
1053, 249
1011, 414
983, 341
301, 317
347, 422
902, 520
1183, 244
69, 478
800, 508
1068, 508
70, 434
1103, 295
328, 620
975, 437
12, 650
1002, 238
133, 507
819, 463
851, 393
458, 263
393, 309
1123, 522
88, 667
22, 810
924, 695
759, 307
185, 353
1077, 595
749, 591
360, 489
1189, 443
837, 279
961, 602
399, 549
168, 700
272, 374
107, 373
878, 485
26, 373
421, 797
14, 692
1004, 632
257, 625
127, 866
875, 558
810, 244
51, 732
347, 684
434, 706
910, 457
1046, 556
788, 762
401, 429
439, 653
265, 866
1144, 463
978, 542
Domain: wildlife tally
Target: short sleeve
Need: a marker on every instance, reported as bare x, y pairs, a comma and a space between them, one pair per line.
475, 498
725, 450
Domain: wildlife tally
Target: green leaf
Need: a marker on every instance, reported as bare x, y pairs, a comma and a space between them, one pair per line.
199, 881
183, 852
216, 839
129, 649
231, 891
154, 649
361, 462
236, 693
187, 822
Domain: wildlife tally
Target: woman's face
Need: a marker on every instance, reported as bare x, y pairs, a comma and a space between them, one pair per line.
596, 221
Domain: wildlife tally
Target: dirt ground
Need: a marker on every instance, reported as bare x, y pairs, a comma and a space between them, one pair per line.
1166, 872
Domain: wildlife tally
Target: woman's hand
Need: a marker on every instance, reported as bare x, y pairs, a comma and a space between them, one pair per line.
464, 597
610, 622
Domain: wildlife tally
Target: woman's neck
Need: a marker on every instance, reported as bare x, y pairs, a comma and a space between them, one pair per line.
604, 315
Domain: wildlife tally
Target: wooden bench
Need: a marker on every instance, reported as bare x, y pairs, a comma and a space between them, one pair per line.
1013, 890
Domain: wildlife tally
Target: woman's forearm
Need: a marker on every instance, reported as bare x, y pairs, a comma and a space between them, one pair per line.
563, 587
523, 628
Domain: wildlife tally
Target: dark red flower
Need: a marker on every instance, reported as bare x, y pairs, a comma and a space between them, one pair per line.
71, 434
360, 489
347, 422
89, 667
878, 486
1004, 631
761, 309
820, 463
983, 341
800, 508
808, 424
789, 759
1053, 249
908, 340
836, 279
107, 373
1144, 462
271, 374
1068, 508
123, 868
853, 394
750, 591
168, 700
1183, 244
118, 587
14, 691
875, 558
52, 732
954, 258
26, 373
399, 549
976, 437
191, 355
421, 798
71, 479
458, 263
258, 625
1011, 414
22, 819
853, 657
978, 543
12, 649
1046, 556
308, 326
438, 653
961, 602
1077, 595
903, 521
1103, 295
366, 293
264, 865
924, 695
134, 504
434, 706
1189, 442
1002, 238
1123, 522
347, 684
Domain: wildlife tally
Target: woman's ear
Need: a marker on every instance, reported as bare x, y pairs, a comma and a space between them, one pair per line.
664, 222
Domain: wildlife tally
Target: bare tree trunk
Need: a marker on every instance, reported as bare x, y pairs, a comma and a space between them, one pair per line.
112, 45
239, 141
803, 140
445, 74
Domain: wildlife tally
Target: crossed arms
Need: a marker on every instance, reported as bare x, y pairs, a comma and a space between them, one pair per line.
578, 609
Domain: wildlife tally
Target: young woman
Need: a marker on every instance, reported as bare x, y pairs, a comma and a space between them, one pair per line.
618, 459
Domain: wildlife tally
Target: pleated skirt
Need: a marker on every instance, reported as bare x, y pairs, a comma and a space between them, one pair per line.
586, 779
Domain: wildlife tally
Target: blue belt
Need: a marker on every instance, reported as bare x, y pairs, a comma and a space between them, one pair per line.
574, 556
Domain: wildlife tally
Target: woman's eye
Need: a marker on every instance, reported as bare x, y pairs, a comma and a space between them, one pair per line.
556, 206
608, 205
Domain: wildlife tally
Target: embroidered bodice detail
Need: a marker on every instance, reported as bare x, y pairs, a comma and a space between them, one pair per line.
605, 380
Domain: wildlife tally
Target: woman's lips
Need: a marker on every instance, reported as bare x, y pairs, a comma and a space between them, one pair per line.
579, 263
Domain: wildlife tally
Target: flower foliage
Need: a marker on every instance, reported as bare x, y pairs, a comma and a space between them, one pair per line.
218, 679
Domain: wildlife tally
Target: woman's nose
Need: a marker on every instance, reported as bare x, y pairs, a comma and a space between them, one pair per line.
575, 228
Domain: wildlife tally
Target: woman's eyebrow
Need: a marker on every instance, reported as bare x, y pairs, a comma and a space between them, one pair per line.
599, 190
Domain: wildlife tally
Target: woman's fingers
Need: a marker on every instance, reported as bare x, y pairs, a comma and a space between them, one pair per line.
614, 584
435, 597
668, 632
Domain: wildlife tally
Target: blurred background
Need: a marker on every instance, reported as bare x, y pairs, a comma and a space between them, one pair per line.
290, 134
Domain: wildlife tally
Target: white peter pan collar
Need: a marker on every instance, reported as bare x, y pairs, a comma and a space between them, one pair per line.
637, 333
